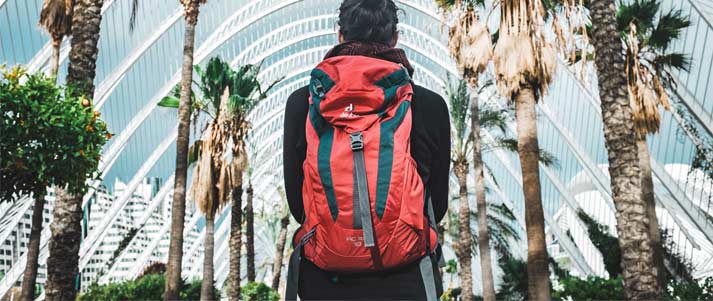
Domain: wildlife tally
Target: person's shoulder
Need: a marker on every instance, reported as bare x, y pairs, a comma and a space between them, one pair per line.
300, 94
428, 99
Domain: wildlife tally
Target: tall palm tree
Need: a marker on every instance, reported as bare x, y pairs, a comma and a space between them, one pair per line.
250, 231
648, 58
56, 19
29, 277
178, 208
457, 94
524, 66
281, 240
471, 46
62, 264
245, 92
640, 274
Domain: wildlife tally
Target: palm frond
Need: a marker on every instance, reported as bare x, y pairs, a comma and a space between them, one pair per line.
639, 12
490, 118
458, 99
213, 81
548, 159
674, 60
56, 18
669, 28
134, 12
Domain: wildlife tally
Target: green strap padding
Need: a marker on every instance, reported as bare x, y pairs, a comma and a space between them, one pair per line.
386, 157
326, 135
324, 165
391, 84
318, 78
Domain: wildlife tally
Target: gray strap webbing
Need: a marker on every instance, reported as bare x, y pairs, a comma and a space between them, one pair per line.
431, 214
356, 207
429, 280
361, 193
293, 269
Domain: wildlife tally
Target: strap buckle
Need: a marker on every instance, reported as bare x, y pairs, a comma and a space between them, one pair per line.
357, 141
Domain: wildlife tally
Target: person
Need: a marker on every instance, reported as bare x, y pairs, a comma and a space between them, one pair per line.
368, 28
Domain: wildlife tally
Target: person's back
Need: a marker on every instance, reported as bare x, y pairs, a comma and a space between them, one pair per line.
368, 230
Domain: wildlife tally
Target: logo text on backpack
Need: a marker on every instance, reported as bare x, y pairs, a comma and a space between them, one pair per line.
348, 112
357, 241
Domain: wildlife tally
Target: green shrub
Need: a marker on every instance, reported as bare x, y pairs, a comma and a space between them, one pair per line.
146, 288
258, 291
47, 137
591, 288
693, 290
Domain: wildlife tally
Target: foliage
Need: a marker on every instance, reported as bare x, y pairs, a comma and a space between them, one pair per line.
122, 245
591, 288
604, 242
693, 290
649, 57
147, 287
258, 291
501, 221
154, 268
677, 266
47, 138
514, 280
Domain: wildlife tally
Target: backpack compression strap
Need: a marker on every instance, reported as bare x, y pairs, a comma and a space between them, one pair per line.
361, 191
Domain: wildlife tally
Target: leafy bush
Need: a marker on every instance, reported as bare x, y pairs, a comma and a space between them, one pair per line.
258, 291
604, 242
693, 290
591, 288
47, 137
148, 287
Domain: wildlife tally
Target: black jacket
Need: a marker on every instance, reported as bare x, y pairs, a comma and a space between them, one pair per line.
430, 147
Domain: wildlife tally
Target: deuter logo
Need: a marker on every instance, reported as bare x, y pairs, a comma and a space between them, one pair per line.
348, 112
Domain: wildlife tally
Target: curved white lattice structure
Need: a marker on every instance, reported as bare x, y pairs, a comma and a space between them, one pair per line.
289, 37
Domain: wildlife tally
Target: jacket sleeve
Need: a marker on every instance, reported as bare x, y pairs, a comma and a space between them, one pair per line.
294, 150
441, 160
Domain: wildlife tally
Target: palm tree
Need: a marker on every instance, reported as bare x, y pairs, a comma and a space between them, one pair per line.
471, 46
281, 240
178, 209
245, 92
29, 277
648, 58
640, 274
524, 66
56, 19
62, 264
250, 231
457, 94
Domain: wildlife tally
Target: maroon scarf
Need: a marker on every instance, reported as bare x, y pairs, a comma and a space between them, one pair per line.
375, 50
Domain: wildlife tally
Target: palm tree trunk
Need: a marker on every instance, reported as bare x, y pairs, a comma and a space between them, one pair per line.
29, 278
178, 209
250, 233
207, 283
647, 194
463, 248
56, 47
236, 216
63, 261
538, 273
639, 271
280, 250
62, 264
486, 268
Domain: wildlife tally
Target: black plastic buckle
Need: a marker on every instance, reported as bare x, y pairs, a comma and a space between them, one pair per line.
357, 141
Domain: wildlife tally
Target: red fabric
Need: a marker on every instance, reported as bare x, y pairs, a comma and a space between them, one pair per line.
374, 50
352, 105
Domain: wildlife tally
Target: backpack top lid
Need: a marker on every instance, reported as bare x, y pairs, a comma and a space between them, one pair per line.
353, 92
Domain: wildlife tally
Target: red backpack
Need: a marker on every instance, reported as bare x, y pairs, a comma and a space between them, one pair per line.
364, 201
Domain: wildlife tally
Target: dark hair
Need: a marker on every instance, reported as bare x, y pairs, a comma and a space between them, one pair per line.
368, 20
